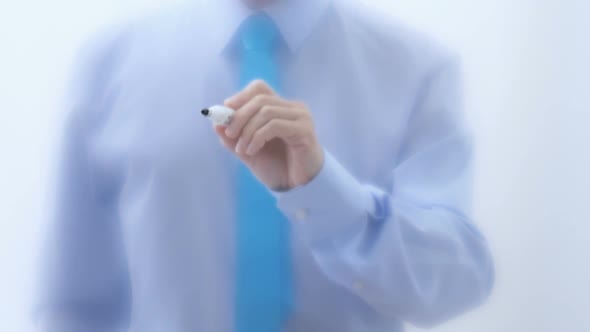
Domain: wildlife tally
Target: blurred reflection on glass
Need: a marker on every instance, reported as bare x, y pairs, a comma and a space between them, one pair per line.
337, 199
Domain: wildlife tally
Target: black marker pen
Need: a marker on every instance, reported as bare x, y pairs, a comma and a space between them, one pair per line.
219, 115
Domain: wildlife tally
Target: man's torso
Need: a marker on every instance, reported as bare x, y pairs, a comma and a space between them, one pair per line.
174, 182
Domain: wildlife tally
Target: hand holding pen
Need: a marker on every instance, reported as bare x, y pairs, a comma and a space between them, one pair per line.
274, 137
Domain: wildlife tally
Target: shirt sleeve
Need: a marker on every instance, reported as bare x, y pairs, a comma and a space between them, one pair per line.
411, 252
84, 284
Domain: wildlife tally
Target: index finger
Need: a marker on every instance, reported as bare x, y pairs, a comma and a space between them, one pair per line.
255, 88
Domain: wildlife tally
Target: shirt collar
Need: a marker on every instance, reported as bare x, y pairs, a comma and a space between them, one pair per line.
295, 19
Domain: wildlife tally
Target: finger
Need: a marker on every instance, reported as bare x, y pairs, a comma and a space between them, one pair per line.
253, 89
247, 111
228, 142
275, 128
261, 118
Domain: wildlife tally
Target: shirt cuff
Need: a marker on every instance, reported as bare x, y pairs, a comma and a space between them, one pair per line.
332, 203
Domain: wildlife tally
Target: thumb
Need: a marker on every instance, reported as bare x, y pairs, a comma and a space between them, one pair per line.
227, 141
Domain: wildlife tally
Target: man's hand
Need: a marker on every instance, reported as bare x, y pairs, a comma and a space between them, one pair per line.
274, 137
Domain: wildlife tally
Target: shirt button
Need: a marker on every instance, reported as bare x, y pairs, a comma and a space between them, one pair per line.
301, 214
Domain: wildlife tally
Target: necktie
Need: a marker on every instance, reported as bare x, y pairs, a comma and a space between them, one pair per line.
263, 275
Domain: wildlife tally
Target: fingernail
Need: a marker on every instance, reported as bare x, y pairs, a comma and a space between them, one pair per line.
229, 132
229, 101
250, 150
239, 146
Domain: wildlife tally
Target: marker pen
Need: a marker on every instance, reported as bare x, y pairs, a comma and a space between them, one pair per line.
219, 115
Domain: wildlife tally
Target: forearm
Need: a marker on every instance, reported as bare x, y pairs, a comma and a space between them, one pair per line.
416, 260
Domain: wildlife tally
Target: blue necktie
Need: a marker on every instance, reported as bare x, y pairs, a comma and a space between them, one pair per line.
263, 276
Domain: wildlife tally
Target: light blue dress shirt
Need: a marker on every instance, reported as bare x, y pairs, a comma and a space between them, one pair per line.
144, 231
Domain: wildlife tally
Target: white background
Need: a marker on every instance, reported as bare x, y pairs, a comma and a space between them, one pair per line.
526, 66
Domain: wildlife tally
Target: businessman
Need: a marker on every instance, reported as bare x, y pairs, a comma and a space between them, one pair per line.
337, 199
